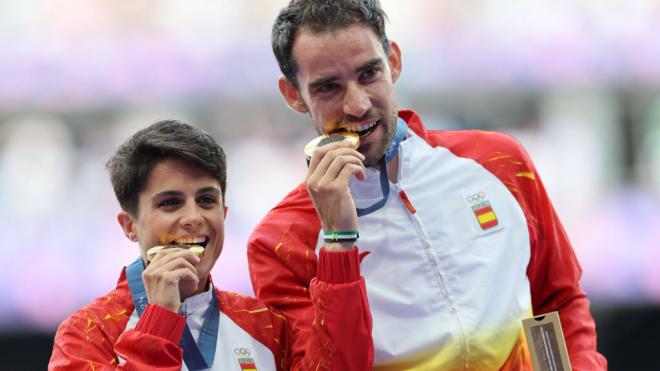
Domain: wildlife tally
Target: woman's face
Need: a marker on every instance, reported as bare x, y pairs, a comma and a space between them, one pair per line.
181, 204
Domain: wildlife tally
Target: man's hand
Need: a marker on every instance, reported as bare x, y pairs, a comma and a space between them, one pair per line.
330, 170
171, 273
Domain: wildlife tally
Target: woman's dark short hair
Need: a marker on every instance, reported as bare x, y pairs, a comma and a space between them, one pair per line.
131, 166
322, 16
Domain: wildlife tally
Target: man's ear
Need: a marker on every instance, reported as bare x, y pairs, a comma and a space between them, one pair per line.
291, 95
394, 60
127, 225
226, 209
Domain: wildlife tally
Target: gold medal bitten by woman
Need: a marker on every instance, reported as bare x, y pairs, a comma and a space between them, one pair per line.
322, 140
195, 249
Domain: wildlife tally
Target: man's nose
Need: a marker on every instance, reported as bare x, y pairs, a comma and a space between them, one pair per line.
356, 100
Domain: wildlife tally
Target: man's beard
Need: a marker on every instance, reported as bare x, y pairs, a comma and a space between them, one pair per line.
373, 160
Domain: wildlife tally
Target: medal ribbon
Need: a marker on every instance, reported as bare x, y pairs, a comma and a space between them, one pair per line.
399, 135
198, 356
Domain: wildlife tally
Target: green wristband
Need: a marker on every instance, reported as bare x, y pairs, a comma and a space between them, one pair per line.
340, 236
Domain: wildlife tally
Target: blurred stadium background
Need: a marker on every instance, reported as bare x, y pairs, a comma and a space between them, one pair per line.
577, 82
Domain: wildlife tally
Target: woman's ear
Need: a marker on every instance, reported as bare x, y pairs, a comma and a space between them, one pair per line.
127, 225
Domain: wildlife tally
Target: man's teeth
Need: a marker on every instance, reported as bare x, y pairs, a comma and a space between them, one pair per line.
364, 127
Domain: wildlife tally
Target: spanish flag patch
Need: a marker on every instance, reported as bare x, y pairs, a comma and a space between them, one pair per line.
485, 215
482, 210
245, 359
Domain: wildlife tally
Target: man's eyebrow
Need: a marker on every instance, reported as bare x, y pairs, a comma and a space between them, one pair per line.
325, 80
322, 81
371, 64
209, 189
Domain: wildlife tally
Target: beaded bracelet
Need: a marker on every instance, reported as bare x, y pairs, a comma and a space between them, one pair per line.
340, 236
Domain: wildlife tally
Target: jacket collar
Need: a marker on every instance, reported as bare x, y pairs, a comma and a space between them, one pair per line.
414, 122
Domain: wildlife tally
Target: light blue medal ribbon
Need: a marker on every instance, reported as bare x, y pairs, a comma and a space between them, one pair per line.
198, 356
399, 135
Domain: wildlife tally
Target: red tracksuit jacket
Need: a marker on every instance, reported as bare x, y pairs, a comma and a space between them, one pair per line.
252, 336
467, 245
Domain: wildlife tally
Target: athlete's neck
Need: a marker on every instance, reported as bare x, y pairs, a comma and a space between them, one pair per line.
393, 168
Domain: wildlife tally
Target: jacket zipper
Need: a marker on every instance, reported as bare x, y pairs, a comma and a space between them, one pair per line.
431, 257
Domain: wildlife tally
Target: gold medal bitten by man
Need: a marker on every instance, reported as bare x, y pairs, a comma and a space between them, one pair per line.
322, 140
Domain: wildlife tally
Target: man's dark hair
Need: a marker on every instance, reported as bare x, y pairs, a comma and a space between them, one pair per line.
322, 16
131, 166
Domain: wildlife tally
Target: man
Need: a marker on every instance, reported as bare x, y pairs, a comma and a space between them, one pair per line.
166, 313
462, 240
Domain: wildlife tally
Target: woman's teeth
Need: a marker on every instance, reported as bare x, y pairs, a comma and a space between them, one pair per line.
191, 241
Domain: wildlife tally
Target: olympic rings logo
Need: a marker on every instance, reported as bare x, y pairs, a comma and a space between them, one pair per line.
245, 352
477, 197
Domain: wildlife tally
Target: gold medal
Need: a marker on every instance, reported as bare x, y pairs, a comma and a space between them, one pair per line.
194, 249
197, 250
151, 253
322, 140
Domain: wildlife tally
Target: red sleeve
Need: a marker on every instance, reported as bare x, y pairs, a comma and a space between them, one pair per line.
342, 319
93, 339
328, 318
554, 274
553, 270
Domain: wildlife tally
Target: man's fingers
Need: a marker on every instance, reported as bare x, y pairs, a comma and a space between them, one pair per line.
327, 178
327, 157
347, 171
316, 174
338, 165
320, 152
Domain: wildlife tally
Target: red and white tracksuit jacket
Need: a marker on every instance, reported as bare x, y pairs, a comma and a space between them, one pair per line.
467, 245
107, 334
